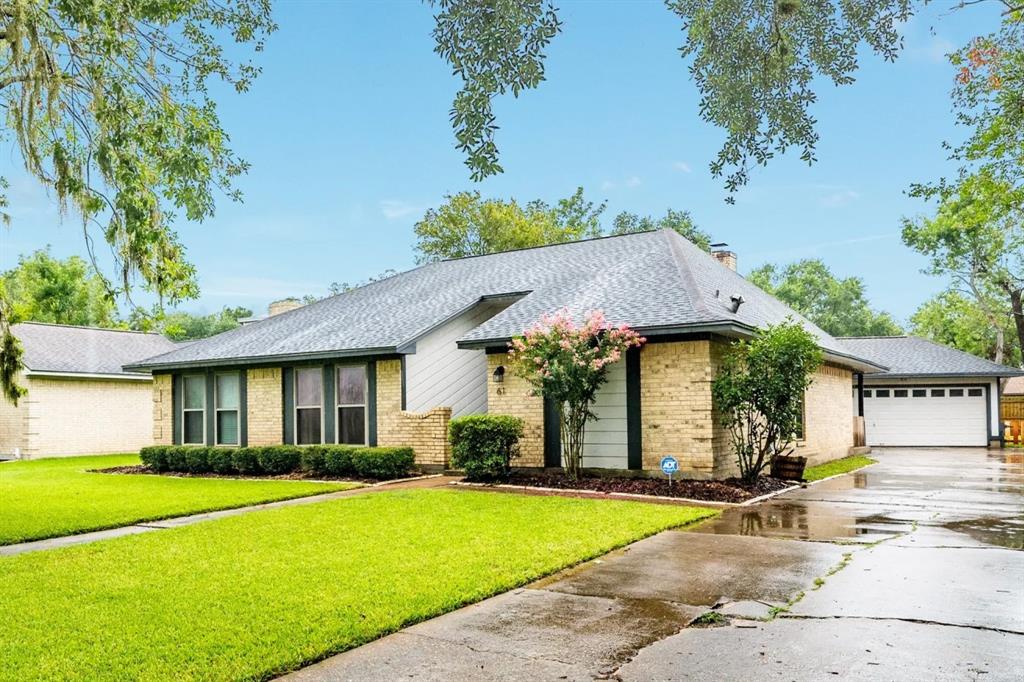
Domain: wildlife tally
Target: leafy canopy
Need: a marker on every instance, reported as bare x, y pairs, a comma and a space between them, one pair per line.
466, 224
756, 64
839, 306
958, 321
183, 326
42, 288
758, 393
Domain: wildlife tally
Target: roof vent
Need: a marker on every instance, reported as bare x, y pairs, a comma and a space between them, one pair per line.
737, 301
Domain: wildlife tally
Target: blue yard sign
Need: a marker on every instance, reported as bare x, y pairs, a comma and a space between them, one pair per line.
669, 465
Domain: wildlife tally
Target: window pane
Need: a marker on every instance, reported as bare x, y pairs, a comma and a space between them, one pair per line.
974, 392
227, 391
900, 393
194, 428
195, 392
227, 428
352, 385
308, 390
352, 425
307, 430
956, 393
920, 393
882, 393
938, 393
867, 393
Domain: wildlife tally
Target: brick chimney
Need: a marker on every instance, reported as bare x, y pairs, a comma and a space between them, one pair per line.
726, 258
283, 306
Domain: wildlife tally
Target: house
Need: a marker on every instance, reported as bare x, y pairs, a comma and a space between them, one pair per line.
391, 362
930, 395
80, 399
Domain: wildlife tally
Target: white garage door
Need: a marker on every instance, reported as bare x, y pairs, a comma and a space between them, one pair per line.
925, 415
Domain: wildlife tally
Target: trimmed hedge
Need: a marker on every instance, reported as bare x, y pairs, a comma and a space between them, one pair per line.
483, 445
318, 460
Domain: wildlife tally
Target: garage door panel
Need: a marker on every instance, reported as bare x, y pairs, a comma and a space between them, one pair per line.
929, 420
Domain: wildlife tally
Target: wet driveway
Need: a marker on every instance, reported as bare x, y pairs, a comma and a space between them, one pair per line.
909, 569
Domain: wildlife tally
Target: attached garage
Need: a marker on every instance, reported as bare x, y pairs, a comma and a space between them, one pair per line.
930, 395
926, 415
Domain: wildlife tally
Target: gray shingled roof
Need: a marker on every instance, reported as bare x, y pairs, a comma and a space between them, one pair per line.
85, 350
652, 281
909, 356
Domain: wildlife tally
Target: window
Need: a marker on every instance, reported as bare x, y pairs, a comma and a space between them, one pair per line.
225, 406
899, 393
938, 393
309, 397
351, 391
974, 392
193, 409
882, 393
920, 393
867, 393
956, 393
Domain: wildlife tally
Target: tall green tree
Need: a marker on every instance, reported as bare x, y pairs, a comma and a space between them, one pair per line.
680, 221
837, 305
955, 320
42, 288
976, 239
184, 326
468, 225
107, 104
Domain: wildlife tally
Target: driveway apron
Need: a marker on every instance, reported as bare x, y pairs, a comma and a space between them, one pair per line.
909, 569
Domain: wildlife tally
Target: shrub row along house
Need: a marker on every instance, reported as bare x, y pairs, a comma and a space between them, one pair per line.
391, 362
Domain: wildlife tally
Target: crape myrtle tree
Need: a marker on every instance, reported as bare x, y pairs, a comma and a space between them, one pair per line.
758, 393
107, 104
568, 362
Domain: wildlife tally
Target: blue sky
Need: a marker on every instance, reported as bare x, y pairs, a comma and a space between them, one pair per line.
347, 131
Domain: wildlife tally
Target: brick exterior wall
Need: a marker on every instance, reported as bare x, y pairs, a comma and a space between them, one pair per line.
426, 433
163, 410
264, 406
675, 406
14, 423
63, 416
513, 397
827, 416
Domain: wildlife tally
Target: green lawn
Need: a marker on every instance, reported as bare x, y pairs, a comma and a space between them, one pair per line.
251, 596
837, 466
50, 497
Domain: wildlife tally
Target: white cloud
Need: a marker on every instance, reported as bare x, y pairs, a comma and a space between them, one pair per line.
808, 250
840, 198
682, 166
607, 185
394, 209
632, 181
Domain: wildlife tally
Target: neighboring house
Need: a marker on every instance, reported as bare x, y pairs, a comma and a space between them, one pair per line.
930, 394
391, 362
80, 400
1012, 410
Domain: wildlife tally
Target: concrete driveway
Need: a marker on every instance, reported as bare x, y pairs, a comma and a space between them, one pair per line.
910, 569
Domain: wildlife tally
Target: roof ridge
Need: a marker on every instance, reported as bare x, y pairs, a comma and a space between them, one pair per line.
88, 326
683, 267
547, 246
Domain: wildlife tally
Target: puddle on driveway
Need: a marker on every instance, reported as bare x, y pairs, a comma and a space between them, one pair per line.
798, 520
997, 532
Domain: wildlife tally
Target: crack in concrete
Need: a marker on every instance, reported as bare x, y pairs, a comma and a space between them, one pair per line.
919, 621
493, 652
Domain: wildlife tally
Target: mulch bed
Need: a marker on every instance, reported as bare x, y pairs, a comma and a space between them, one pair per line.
728, 490
294, 476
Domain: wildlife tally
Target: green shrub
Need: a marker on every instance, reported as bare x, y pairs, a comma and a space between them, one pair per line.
246, 461
155, 457
338, 460
175, 457
221, 460
312, 460
483, 445
197, 460
382, 463
279, 459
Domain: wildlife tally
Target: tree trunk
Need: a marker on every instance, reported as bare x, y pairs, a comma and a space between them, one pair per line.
1017, 305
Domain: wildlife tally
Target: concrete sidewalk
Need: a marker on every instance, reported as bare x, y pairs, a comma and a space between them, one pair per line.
910, 569
175, 522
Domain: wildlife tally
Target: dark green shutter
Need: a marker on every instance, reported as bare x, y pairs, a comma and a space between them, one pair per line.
209, 412
330, 405
552, 434
243, 409
176, 408
288, 389
634, 429
371, 402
